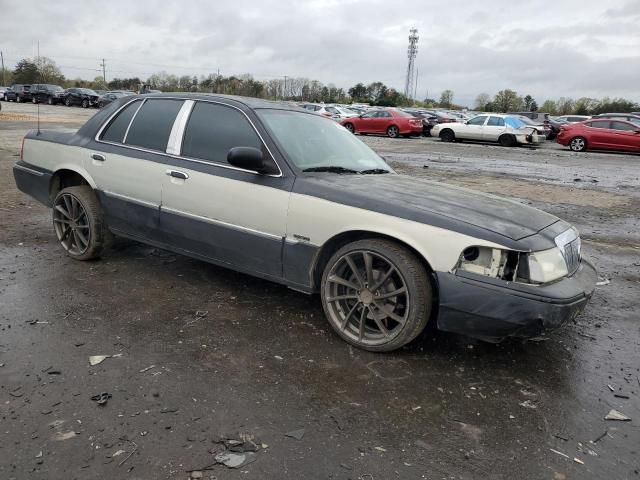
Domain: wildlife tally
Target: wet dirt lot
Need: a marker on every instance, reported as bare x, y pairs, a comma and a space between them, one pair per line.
203, 353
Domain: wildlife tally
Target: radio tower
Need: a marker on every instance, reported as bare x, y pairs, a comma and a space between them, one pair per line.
412, 51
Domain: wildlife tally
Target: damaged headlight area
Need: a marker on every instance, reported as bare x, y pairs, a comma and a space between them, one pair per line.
537, 267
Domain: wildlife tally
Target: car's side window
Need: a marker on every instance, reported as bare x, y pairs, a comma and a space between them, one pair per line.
601, 124
477, 120
384, 115
152, 124
495, 122
213, 130
622, 126
370, 115
116, 129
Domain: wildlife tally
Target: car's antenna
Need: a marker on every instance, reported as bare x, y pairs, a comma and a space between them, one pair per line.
40, 76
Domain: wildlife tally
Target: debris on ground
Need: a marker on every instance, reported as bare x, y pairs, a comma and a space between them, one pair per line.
611, 388
577, 460
96, 359
147, 368
380, 449
601, 436
528, 404
559, 453
621, 395
616, 415
297, 434
236, 460
604, 282
102, 398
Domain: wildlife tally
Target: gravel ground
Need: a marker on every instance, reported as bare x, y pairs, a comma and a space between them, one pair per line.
202, 353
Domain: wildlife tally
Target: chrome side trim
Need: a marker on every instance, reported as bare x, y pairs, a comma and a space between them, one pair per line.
28, 170
137, 201
220, 223
213, 164
126, 133
174, 145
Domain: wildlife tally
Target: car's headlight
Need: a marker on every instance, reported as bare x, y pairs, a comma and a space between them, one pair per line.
547, 266
536, 267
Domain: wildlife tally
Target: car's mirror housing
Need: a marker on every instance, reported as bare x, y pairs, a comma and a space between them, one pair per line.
247, 158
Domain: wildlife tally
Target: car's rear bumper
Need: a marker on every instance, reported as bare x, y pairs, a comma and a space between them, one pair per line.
494, 310
33, 181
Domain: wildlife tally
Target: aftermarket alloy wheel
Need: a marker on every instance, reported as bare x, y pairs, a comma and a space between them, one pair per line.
578, 144
376, 294
393, 131
79, 223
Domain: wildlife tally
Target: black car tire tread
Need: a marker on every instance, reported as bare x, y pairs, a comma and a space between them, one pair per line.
418, 283
507, 140
447, 135
100, 238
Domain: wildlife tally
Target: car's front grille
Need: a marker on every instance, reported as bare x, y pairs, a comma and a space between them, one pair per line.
572, 255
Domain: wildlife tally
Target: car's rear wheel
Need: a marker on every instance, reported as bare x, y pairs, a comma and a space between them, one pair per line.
393, 132
507, 140
447, 135
78, 221
85, 103
578, 144
18, 99
349, 126
50, 101
67, 101
34, 100
376, 294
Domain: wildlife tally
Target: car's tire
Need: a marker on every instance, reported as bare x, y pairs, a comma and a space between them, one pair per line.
85, 103
34, 100
393, 131
49, 101
447, 135
386, 315
78, 222
18, 99
350, 127
67, 101
507, 140
578, 144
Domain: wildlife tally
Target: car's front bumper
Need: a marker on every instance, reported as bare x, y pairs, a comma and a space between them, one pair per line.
493, 310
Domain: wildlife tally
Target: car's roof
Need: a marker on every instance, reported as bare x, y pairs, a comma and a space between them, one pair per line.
250, 102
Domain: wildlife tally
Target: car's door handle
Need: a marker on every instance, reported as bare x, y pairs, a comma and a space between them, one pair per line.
177, 174
99, 157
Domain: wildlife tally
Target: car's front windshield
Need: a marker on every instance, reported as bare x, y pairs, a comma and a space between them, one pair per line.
314, 142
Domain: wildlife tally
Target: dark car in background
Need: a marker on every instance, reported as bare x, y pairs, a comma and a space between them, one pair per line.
85, 97
18, 93
45, 93
601, 134
109, 97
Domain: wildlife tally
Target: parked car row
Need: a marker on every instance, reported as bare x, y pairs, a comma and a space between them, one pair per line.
56, 95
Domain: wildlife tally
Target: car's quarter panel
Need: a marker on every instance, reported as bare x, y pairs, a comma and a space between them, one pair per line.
234, 217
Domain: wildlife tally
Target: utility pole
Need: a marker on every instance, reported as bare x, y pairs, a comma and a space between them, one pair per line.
2, 61
104, 71
415, 91
412, 51
284, 89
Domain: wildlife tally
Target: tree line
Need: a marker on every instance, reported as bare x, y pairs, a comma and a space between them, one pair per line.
45, 70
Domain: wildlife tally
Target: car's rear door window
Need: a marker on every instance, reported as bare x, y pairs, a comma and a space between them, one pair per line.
600, 124
116, 129
495, 122
152, 124
622, 126
214, 129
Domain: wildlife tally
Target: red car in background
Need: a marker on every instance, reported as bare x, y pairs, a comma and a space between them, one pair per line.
391, 122
603, 134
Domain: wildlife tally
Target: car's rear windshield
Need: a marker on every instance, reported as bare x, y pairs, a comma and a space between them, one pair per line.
514, 122
312, 141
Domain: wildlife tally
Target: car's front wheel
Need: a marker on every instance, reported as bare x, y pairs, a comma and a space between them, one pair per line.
18, 99
34, 100
393, 132
67, 101
447, 135
78, 221
85, 103
349, 126
376, 294
578, 144
49, 101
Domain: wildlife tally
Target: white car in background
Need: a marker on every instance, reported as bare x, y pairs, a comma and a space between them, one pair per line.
332, 111
573, 118
508, 130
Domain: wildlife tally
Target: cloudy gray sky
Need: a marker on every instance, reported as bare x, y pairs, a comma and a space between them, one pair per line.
547, 49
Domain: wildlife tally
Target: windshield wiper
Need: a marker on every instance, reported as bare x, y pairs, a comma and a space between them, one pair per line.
331, 169
374, 171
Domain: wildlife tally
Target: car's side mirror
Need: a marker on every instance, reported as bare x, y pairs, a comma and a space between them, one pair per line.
247, 158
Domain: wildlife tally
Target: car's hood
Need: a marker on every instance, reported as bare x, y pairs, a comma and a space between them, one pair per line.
429, 202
